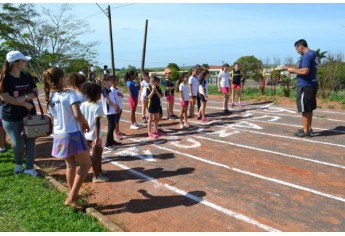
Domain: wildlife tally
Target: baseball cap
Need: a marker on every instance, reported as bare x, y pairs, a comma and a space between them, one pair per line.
16, 55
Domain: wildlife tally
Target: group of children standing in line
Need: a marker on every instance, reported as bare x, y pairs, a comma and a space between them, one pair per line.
75, 141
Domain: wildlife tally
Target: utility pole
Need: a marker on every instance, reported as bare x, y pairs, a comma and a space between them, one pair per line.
108, 14
144, 50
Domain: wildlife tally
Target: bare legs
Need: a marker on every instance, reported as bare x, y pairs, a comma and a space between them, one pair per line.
76, 179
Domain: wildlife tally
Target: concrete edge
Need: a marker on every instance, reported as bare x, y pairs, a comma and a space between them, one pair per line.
90, 210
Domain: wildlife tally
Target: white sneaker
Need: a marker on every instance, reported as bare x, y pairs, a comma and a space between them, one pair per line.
31, 172
18, 169
137, 124
134, 127
100, 179
110, 148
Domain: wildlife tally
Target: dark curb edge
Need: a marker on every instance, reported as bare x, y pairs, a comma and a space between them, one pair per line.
90, 210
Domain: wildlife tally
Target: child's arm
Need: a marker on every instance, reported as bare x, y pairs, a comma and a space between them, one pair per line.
97, 141
111, 103
158, 93
80, 118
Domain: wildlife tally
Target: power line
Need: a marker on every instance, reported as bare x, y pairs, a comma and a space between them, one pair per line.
103, 11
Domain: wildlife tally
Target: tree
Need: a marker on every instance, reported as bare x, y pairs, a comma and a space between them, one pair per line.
320, 55
50, 39
205, 66
329, 74
173, 66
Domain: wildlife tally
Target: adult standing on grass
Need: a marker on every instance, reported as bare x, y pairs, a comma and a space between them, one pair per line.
306, 85
69, 125
17, 90
224, 85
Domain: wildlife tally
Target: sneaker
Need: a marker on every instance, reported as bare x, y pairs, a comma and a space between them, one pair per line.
301, 134
18, 169
226, 111
173, 117
118, 136
181, 126
205, 120
232, 105
133, 126
137, 125
31, 172
152, 135
144, 120
122, 134
240, 104
110, 148
116, 144
198, 118
100, 179
186, 125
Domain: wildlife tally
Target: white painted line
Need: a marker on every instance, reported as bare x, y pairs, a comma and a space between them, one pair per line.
273, 152
277, 181
228, 212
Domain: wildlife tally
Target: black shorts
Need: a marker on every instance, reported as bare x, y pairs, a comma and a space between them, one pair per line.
154, 109
306, 99
202, 97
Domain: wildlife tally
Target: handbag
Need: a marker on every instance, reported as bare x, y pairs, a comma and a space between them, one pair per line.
35, 126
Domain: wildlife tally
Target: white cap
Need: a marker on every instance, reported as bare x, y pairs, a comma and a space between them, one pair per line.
16, 55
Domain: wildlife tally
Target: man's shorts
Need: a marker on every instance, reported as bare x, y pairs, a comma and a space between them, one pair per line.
306, 99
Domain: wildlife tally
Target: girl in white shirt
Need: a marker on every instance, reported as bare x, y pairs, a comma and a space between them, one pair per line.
193, 91
184, 100
224, 85
145, 83
93, 112
69, 125
118, 97
203, 94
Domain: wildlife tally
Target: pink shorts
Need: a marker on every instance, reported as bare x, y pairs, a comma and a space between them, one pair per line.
236, 86
132, 102
225, 90
184, 103
170, 98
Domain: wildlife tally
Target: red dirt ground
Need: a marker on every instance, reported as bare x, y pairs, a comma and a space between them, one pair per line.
240, 172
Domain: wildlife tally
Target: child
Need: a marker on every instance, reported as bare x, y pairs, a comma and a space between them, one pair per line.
193, 90
203, 94
118, 96
77, 80
109, 107
69, 124
169, 94
133, 91
236, 84
224, 85
184, 99
143, 96
93, 113
154, 95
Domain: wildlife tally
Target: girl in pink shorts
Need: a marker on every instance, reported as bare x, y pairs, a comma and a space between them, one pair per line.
224, 85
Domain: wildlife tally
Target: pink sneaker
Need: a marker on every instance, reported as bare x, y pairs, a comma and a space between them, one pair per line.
232, 104
151, 135
205, 120
240, 104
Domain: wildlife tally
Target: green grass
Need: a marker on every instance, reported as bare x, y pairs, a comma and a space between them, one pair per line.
30, 204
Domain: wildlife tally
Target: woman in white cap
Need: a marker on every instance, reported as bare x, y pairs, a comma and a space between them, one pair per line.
17, 90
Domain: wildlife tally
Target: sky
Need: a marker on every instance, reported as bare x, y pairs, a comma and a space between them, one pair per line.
210, 33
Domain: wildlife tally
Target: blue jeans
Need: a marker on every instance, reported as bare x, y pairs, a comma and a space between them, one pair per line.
22, 147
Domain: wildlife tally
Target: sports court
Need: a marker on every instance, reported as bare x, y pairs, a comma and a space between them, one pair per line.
243, 171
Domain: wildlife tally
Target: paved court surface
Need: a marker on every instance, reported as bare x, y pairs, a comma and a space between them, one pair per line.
239, 172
